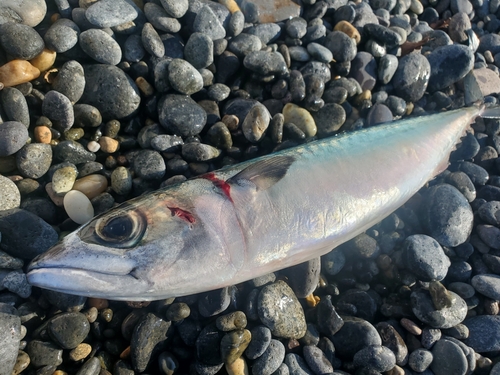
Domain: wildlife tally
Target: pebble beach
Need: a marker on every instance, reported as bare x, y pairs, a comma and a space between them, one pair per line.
102, 101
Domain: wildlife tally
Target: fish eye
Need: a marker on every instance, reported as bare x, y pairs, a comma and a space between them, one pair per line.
122, 230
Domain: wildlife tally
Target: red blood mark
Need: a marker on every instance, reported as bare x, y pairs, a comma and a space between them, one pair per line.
221, 184
184, 215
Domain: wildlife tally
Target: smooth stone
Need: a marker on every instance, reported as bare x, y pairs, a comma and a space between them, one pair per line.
412, 76
14, 106
463, 183
110, 13
148, 333
484, 331
420, 359
199, 50
208, 345
387, 66
377, 357
265, 63
78, 207
393, 340
296, 365
176, 8
16, 282
63, 180
449, 64
231, 321
304, 277
10, 197
270, 360
121, 181
199, 152
207, 22
31, 13
68, 329
320, 52
233, 344
218, 92
62, 35
111, 91
285, 319
86, 116
244, 44
488, 285
184, 77
316, 360
100, 46
160, 19
166, 143
13, 136
33, 160
149, 165
16, 72
256, 122
44, 353
383, 35
425, 258
20, 41
449, 221
301, 118
10, 323
446, 317
59, 109
70, 81
271, 11
354, 335
181, 115
72, 152
152, 41
133, 50
364, 70
267, 32
379, 114
488, 81
261, 339
448, 358
91, 185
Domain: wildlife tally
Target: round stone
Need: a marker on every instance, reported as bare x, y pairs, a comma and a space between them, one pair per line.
412, 76
198, 152
72, 152
16, 72
175, 8
181, 115
484, 331
121, 181
78, 207
62, 35
255, 123
270, 360
488, 285
149, 165
15, 106
20, 41
100, 46
265, 63
377, 357
207, 22
152, 41
184, 77
244, 44
10, 197
301, 118
68, 329
30, 15
448, 358
34, 160
199, 50
64, 179
110, 13
58, 108
364, 70
343, 47
91, 185
425, 258
13, 136
449, 64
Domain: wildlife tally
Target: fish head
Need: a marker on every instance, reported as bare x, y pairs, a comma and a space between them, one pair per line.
152, 247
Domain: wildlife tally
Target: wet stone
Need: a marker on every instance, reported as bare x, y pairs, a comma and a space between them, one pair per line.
110, 13
111, 91
20, 41
58, 108
425, 258
343, 47
86, 116
72, 152
256, 123
265, 63
463, 183
393, 340
208, 345
329, 321
199, 50
13, 136
14, 105
448, 358
448, 65
181, 115
270, 360
285, 319
149, 165
387, 66
261, 338
446, 317
68, 329
214, 302
184, 77
377, 357
448, 215
44, 353
412, 76
166, 143
198, 152
100, 46
149, 332
354, 335
34, 160
233, 344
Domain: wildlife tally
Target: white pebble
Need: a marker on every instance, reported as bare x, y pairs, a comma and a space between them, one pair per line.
78, 207
93, 146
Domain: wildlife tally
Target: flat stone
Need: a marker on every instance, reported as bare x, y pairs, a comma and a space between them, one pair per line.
488, 80
276, 10
110, 13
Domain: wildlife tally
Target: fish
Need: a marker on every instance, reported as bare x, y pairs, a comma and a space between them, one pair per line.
252, 218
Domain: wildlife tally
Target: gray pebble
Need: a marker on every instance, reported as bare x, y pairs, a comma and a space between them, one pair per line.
176, 8
490, 235
488, 285
70, 81
160, 19
184, 77
393, 340
198, 152
111, 91
149, 332
181, 115
448, 215
446, 317
100, 46
68, 329
425, 258
20, 41
13, 136
285, 319
34, 160
218, 92
44, 353
9, 343
448, 358
304, 277
9, 262
166, 143
149, 165
236, 23
420, 359
86, 116
354, 335
62, 35
379, 114
109, 13
342, 47
208, 345
364, 70
256, 123
16, 282
58, 108
296, 365
316, 360
464, 290
121, 181
387, 66
133, 51
449, 64
484, 331
412, 76
376, 357
270, 360
265, 63
199, 50
151, 41
72, 152
267, 32
14, 106
243, 44
90, 367
299, 53
463, 183
208, 23
320, 53
296, 27
261, 338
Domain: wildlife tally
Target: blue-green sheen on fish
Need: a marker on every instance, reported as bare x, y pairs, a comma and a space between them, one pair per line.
252, 218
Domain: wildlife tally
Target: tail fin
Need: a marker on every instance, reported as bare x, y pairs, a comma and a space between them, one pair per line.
491, 112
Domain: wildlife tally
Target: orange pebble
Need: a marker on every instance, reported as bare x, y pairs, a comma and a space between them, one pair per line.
98, 303
126, 353
91, 185
44, 60
16, 72
43, 134
108, 144
231, 5
348, 29
144, 86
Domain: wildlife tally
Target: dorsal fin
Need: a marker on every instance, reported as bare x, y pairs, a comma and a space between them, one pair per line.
263, 174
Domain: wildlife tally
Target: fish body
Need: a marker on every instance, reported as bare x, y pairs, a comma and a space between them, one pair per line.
252, 218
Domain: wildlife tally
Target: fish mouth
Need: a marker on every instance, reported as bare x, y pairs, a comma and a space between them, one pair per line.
89, 283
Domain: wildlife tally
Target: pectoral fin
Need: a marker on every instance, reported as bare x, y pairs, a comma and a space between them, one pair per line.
263, 174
